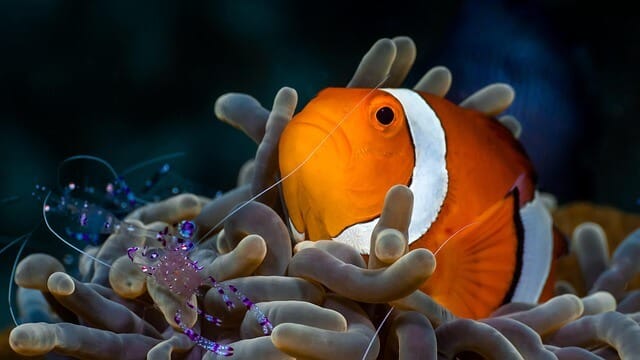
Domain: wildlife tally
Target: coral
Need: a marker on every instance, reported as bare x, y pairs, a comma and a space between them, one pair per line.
323, 299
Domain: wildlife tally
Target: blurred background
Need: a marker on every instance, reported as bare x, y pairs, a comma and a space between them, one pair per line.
132, 81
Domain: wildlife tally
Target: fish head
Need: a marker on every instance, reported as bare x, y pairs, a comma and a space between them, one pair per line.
339, 156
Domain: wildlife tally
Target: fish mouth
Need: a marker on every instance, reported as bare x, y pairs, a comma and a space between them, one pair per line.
323, 136
331, 126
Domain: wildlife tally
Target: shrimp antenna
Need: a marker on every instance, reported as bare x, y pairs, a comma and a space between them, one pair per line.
13, 242
302, 163
133, 168
451, 237
373, 338
88, 157
13, 271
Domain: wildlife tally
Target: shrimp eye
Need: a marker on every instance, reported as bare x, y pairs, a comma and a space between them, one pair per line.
385, 115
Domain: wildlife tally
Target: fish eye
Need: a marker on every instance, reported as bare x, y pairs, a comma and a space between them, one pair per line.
385, 115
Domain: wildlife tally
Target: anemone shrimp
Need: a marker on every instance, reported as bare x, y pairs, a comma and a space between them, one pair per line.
84, 215
171, 267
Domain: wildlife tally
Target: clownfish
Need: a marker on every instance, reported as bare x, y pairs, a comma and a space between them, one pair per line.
474, 187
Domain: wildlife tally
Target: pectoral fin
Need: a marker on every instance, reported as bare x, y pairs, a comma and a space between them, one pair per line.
479, 265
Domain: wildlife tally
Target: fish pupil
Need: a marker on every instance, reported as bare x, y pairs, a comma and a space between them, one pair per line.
384, 115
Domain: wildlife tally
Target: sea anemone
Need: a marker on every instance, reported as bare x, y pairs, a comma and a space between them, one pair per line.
322, 298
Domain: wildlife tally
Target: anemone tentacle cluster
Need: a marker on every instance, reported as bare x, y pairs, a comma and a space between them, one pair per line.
323, 299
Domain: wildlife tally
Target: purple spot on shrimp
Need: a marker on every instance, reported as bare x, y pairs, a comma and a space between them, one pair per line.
191, 334
195, 265
83, 219
131, 251
186, 246
247, 302
187, 229
213, 319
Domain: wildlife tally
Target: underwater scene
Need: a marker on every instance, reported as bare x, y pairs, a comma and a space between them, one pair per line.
335, 180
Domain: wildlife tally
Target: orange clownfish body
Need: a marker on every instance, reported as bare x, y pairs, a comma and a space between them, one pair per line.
473, 186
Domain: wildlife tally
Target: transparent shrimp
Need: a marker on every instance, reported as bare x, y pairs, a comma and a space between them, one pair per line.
172, 267
85, 215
